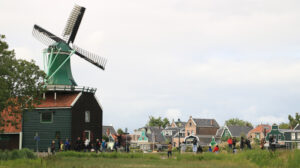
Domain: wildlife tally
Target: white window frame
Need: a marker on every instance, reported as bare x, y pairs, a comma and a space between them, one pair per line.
89, 132
87, 119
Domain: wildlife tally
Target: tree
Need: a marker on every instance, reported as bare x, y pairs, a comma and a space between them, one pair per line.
294, 121
238, 122
158, 122
166, 122
284, 126
120, 131
21, 83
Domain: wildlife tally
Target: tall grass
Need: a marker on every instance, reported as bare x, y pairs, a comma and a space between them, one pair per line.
17, 154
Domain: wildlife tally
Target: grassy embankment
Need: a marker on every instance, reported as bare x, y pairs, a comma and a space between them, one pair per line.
253, 158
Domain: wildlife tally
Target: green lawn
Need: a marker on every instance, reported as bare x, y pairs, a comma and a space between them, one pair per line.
248, 159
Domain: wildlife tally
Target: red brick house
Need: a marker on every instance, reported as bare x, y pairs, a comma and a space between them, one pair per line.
11, 131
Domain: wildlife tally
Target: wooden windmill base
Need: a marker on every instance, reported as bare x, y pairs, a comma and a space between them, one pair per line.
66, 112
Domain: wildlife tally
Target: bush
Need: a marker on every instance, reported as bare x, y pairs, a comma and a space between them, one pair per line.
17, 154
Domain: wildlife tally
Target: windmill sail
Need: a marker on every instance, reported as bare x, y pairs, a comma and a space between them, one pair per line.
45, 36
90, 57
73, 23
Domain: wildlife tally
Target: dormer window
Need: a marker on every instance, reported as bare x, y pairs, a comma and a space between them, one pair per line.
87, 116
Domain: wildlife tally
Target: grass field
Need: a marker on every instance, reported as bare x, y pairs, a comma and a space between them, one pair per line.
246, 159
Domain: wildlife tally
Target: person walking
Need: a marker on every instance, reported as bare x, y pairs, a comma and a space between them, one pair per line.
61, 148
242, 144
67, 145
86, 144
78, 144
195, 145
234, 145
216, 149
97, 146
53, 147
209, 149
229, 141
262, 143
170, 149
248, 143
103, 144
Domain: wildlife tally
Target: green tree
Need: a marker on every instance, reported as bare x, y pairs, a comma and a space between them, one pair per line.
284, 126
166, 122
238, 122
158, 122
294, 121
120, 131
21, 83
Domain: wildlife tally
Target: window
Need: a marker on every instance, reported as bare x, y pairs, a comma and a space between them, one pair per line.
46, 117
192, 132
298, 135
188, 133
87, 116
293, 136
190, 124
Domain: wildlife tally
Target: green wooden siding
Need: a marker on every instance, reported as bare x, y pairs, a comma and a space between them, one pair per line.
226, 133
278, 135
47, 131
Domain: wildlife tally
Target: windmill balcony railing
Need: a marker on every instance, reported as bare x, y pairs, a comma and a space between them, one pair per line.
71, 88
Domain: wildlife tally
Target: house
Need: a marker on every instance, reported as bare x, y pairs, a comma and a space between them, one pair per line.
178, 134
10, 130
233, 131
150, 138
107, 130
66, 112
277, 133
290, 138
203, 130
259, 131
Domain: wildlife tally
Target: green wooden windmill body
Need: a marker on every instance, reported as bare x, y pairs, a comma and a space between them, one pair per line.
58, 65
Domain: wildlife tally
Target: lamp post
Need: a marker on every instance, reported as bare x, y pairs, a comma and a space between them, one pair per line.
179, 140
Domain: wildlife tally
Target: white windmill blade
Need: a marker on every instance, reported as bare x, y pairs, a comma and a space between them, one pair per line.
73, 23
90, 57
45, 36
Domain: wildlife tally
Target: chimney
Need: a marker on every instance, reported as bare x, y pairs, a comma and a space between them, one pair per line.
191, 117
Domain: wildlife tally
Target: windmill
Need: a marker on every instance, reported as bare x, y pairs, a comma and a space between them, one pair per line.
57, 55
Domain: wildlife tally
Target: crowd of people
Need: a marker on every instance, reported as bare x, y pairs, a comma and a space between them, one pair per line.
84, 145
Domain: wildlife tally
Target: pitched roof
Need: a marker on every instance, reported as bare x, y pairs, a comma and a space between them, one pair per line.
297, 127
63, 99
12, 122
110, 128
219, 132
260, 128
206, 122
156, 134
236, 130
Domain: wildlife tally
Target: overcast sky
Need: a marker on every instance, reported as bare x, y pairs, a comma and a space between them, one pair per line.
176, 58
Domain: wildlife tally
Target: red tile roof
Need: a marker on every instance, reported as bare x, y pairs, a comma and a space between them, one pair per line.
62, 100
12, 122
260, 128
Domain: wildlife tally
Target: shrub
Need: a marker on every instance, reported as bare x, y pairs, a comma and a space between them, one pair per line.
17, 154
